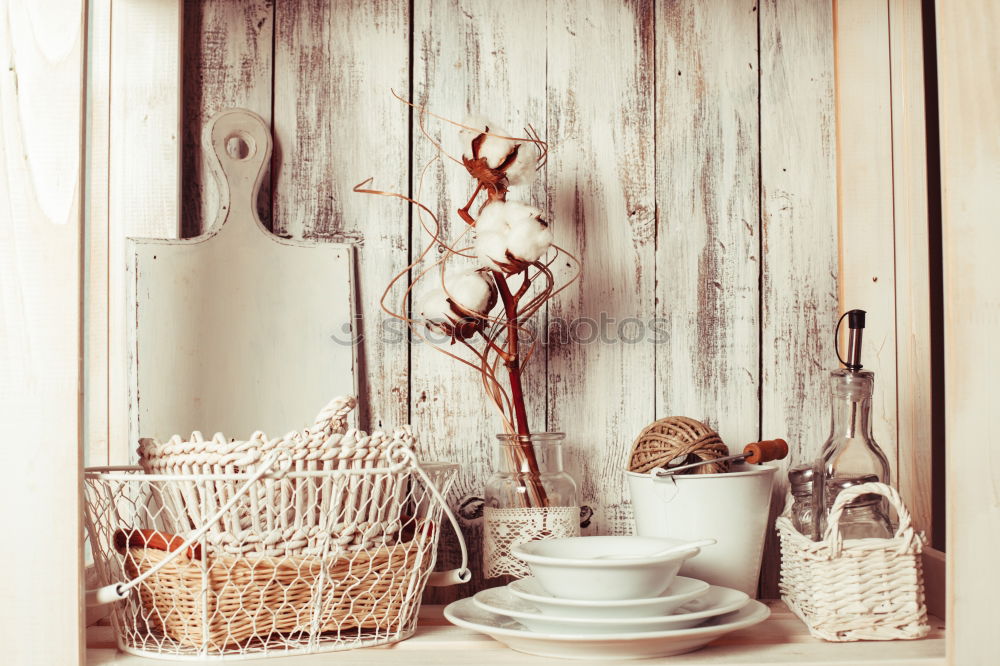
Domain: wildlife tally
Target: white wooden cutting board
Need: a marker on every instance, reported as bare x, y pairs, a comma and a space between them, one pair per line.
238, 329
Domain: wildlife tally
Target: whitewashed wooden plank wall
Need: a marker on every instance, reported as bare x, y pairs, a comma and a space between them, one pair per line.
469, 56
798, 231
602, 198
693, 168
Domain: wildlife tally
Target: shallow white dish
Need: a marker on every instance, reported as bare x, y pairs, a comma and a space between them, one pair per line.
717, 601
680, 591
514, 635
573, 568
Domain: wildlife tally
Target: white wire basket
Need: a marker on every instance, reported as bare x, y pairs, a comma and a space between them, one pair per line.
268, 547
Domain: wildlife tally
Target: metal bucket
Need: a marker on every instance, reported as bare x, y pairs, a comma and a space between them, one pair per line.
731, 508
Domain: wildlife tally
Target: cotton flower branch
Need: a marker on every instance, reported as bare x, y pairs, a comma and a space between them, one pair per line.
509, 263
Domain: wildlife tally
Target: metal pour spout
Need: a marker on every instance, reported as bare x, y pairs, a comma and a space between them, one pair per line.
856, 330
855, 336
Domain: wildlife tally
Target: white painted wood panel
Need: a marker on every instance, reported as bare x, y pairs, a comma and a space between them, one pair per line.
708, 243
913, 315
482, 57
42, 46
335, 124
969, 98
799, 226
601, 198
865, 198
144, 172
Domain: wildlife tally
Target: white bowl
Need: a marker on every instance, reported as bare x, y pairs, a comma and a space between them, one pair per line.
680, 591
571, 568
717, 601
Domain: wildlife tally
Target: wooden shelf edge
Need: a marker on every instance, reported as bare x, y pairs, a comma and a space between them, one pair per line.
781, 639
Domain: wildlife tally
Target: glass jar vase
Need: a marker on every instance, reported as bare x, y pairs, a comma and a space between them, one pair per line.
529, 497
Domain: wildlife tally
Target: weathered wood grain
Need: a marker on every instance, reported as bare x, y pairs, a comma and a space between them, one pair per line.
865, 198
707, 242
799, 236
602, 201
969, 98
470, 56
335, 124
914, 405
96, 360
143, 176
228, 54
41, 337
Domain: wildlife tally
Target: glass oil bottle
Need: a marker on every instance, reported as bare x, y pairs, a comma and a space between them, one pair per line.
850, 454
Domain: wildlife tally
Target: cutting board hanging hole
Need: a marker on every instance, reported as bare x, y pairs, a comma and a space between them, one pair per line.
240, 146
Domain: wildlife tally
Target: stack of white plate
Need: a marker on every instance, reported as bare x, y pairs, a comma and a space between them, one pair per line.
585, 601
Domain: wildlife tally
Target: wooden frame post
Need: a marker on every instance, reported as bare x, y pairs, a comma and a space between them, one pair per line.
41, 187
969, 94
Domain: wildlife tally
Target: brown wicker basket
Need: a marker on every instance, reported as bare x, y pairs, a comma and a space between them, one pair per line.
227, 599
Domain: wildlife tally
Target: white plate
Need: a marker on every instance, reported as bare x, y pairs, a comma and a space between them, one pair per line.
717, 601
511, 633
680, 591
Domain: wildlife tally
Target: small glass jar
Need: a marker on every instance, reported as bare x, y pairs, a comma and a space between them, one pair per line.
863, 517
801, 481
529, 497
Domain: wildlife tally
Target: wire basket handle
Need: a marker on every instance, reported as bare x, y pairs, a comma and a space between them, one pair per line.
844, 497
116, 591
401, 454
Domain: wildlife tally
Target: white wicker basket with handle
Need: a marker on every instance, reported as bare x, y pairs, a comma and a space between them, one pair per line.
855, 589
290, 515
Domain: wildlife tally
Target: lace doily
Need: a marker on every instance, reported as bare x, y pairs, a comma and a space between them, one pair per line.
505, 528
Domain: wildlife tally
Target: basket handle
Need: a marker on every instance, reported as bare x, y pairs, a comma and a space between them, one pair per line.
334, 412
402, 453
844, 497
116, 591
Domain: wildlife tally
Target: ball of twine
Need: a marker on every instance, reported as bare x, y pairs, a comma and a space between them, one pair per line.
678, 437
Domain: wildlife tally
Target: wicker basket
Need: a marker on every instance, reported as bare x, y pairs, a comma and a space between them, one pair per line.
322, 540
259, 597
858, 589
285, 516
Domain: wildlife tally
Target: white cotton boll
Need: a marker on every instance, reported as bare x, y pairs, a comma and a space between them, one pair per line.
522, 172
471, 291
510, 226
493, 148
480, 123
500, 216
433, 307
493, 219
529, 239
516, 212
491, 248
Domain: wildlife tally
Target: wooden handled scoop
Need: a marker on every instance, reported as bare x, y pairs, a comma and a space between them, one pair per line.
755, 452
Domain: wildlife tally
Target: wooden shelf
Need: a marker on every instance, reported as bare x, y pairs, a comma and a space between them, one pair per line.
782, 639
